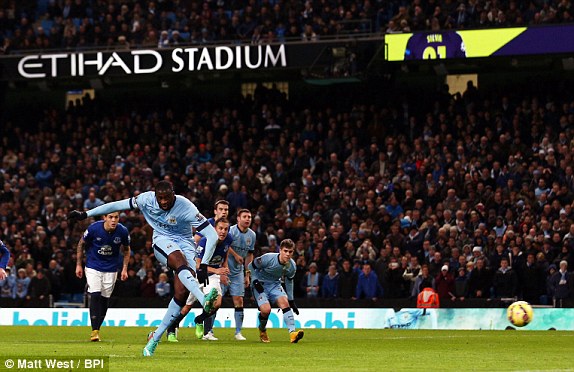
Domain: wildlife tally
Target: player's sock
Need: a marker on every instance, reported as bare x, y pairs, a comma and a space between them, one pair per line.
184, 274
289, 319
175, 323
263, 322
173, 310
95, 309
104, 305
238, 319
208, 324
201, 317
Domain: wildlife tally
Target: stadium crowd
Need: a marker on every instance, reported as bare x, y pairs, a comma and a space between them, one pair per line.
81, 24
472, 196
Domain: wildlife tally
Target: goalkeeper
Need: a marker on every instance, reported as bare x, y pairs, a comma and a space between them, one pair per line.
267, 271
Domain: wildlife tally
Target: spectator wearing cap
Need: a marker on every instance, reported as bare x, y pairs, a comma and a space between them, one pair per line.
264, 178
176, 38
444, 283
477, 252
312, 281
163, 41
272, 243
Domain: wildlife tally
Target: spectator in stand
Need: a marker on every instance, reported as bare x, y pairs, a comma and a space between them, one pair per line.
423, 280
347, 280
21, 284
444, 284
39, 290
330, 284
147, 288
312, 281
162, 287
505, 281
480, 280
368, 284
562, 285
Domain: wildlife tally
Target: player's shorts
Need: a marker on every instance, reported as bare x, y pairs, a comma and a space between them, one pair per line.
163, 246
236, 284
272, 291
102, 282
214, 282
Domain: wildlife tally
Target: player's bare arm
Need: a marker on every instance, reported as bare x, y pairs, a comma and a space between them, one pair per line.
80, 258
126, 251
237, 257
248, 260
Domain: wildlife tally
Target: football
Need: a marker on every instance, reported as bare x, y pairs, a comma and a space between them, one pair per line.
520, 313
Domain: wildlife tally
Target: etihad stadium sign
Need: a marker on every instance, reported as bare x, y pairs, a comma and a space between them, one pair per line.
139, 62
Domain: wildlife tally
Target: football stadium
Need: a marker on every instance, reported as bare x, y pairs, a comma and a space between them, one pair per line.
247, 185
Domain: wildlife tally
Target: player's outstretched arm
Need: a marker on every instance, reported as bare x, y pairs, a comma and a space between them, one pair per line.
120, 205
116, 206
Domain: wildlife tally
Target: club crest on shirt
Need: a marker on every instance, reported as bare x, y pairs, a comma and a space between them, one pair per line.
248, 241
117, 240
172, 220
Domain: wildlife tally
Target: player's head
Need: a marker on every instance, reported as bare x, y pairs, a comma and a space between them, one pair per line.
221, 209
222, 228
286, 249
244, 218
164, 195
111, 220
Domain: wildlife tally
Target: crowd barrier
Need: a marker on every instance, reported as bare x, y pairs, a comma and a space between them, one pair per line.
328, 318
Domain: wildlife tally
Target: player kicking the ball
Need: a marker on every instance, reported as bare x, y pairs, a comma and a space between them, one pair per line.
172, 217
267, 271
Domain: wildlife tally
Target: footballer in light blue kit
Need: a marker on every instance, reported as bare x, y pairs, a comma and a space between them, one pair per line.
172, 218
240, 255
267, 272
103, 242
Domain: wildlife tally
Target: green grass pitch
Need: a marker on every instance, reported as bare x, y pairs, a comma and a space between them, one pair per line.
319, 350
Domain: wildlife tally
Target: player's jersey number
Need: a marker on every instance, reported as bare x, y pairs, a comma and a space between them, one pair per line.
438, 52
